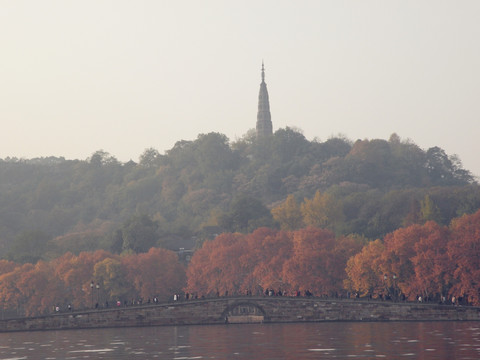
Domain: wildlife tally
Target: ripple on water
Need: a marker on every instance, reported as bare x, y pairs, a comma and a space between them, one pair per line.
320, 350
92, 350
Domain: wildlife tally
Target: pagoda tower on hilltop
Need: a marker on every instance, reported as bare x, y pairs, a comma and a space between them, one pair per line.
264, 119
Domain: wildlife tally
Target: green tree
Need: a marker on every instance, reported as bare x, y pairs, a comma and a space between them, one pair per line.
212, 153
246, 214
139, 234
149, 158
429, 210
29, 247
101, 157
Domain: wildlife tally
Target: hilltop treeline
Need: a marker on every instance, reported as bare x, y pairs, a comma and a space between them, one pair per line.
207, 186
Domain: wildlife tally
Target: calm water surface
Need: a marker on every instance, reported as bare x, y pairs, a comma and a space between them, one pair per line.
398, 340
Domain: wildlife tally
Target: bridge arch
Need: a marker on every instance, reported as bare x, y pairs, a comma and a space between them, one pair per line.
244, 311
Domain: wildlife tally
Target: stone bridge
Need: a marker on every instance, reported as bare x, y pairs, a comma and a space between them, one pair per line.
246, 309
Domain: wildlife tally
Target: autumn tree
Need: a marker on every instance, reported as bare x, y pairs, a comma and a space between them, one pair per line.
111, 275
323, 211
364, 270
430, 261
312, 265
39, 288
344, 248
464, 253
410, 261
155, 273
396, 260
7, 266
10, 295
309, 259
216, 268
288, 214
268, 252
76, 273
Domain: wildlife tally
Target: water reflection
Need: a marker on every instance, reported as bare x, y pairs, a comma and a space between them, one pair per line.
398, 340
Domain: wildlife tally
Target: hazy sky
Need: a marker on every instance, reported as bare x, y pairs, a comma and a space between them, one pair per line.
122, 76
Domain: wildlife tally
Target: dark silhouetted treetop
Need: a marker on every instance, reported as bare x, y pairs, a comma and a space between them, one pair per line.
246, 214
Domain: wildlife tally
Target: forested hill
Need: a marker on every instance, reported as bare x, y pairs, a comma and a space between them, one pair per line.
198, 188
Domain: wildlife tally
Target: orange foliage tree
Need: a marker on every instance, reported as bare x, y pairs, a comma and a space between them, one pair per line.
364, 271
6, 266
464, 257
39, 288
310, 259
396, 260
430, 262
32, 289
271, 250
410, 261
318, 262
76, 274
217, 268
10, 295
155, 273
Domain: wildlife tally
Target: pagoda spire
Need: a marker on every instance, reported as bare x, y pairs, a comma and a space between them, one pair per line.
264, 118
263, 72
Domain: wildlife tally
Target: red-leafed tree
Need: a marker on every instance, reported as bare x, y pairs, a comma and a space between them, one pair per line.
271, 249
40, 288
217, 267
10, 294
411, 261
76, 273
312, 266
396, 260
430, 261
464, 256
155, 273
364, 270
310, 259
7, 266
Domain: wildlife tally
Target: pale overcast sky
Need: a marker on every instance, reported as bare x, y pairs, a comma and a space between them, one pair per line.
122, 76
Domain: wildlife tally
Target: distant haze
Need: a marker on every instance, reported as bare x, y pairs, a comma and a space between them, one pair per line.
122, 76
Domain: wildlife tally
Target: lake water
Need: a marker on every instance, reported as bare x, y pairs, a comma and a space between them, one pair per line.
340, 340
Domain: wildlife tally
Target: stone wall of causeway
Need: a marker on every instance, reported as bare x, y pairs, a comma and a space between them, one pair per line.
244, 309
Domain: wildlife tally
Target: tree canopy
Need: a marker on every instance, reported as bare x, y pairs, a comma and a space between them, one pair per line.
202, 187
